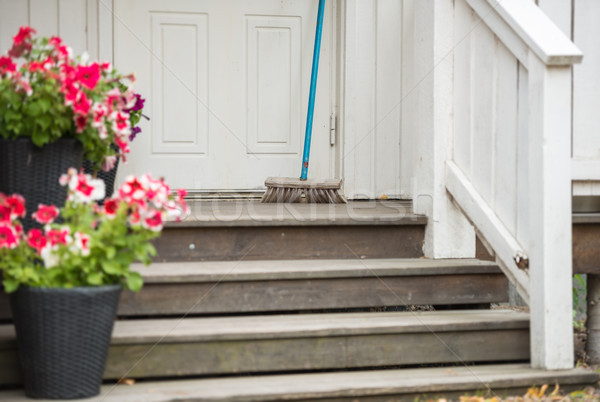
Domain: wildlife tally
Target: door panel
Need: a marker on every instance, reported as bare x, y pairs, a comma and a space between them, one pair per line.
227, 89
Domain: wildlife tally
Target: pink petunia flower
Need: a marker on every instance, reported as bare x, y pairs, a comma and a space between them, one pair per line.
111, 207
45, 214
80, 122
82, 243
99, 111
120, 123
60, 236
88, 75
7, 66
132, 191
16, 203
8, 236
83, 189
153, 220
109, 163
21, 42
36, 240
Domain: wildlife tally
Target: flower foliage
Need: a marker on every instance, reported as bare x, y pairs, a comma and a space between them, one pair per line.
93, 244
46, 94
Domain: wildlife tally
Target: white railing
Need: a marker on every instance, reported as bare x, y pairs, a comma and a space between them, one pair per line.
510, 170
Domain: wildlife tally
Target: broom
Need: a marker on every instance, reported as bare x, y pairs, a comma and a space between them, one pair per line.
288, 189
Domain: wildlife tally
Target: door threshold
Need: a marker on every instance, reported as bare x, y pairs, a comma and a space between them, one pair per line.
225, 195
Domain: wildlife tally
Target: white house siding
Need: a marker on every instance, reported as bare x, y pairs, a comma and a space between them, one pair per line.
81, 23
370, 97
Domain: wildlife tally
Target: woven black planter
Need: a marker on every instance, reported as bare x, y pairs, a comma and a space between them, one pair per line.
63, 337
33, 172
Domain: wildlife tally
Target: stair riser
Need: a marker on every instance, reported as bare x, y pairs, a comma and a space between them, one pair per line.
284, 243
304, 354
313, 294
309, 294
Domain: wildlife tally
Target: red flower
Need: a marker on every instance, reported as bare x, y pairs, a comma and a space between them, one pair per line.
7, 65
132, 191
84, 187
88, 75
81, 122
8, 236
111, 206
16, 203
21, 42
58, 236
25, 33
55, 41
82, 104
5, 214
45, 214
36, 240
153, 220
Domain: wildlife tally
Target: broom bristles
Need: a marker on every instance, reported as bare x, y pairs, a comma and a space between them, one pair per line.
288, 190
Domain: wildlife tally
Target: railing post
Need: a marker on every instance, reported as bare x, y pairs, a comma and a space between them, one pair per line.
550, 268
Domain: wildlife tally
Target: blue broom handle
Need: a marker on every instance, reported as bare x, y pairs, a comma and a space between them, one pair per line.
313, 89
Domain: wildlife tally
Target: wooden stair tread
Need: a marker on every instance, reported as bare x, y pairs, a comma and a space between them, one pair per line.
240, 213
229, 271
304, 325
352, 384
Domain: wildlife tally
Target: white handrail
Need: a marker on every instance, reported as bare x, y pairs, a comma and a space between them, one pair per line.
534, 29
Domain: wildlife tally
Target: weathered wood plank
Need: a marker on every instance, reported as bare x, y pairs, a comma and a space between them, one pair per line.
355, 385
294, 242
254, 286
224, 271
221, 357
164, 348
311, 294
237, 213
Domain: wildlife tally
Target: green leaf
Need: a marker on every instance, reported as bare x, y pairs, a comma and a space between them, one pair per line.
10, 285
95, 278
134, 281
111, 268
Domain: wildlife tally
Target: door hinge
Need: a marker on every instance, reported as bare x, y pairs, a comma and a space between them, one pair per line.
332, 127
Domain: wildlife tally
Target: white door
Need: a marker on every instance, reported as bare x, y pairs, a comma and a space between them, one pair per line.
226, 83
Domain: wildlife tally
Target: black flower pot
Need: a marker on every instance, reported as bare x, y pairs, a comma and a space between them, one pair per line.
63, 337
34, 171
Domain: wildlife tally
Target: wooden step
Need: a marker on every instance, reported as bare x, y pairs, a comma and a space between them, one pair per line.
586, 243
285, 343
296, 285
213, 287
377, 385
249, 230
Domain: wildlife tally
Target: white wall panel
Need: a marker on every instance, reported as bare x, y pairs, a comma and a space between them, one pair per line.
274, 60
180, 120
